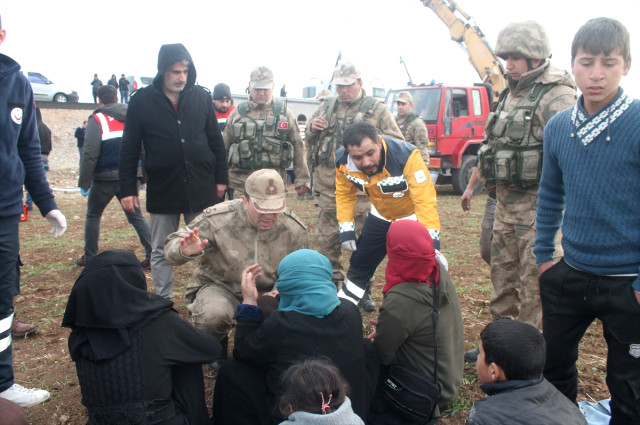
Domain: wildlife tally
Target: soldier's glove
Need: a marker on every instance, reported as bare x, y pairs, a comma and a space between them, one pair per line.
84, 192
349, 245
58, 223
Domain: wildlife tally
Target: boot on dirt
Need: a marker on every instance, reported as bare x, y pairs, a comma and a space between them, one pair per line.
20, 329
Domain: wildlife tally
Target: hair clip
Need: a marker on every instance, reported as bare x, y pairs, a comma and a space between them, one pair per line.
327, 404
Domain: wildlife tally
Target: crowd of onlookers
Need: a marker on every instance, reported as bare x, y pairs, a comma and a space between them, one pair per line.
299, 353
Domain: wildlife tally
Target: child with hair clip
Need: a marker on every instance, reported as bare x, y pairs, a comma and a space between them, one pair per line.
316, 393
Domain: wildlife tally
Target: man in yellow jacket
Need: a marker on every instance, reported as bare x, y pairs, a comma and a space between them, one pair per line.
394, 176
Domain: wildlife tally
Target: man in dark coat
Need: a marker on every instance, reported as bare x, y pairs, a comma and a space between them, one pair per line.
184, 157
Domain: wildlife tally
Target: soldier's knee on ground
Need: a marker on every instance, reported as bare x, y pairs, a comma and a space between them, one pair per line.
212, 312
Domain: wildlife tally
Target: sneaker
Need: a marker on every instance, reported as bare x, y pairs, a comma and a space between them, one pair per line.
20, 329
25, 397
471, 356
367, 303
300, 197
146, 264
82, 261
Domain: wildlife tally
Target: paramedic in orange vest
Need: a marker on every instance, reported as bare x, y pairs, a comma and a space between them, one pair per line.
99, 173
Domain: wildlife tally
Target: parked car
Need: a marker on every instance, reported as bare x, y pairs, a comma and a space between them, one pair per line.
44, 89
136, 82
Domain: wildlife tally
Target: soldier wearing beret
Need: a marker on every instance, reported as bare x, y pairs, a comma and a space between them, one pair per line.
323, 138
263, 133
229, 237
413, 128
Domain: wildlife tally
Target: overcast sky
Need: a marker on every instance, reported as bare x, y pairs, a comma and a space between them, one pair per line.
68, 41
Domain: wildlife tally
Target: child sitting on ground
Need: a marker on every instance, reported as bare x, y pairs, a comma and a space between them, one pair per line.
510, 363
316, 393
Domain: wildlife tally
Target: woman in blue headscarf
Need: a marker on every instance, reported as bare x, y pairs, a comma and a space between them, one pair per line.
310, 321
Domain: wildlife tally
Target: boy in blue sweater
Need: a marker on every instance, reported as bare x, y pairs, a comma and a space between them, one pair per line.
591, 171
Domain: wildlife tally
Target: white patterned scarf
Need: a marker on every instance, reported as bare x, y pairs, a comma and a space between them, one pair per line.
587, 128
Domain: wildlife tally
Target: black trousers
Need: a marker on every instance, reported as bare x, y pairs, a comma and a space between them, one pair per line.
372, 248
571, 301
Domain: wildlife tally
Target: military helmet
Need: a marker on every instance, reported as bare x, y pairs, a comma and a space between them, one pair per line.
524, 39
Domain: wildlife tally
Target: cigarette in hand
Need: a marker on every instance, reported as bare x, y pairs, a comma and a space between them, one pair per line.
195, 234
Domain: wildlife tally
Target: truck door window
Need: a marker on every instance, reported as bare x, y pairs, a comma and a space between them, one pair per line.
447, 118
477, 103
460, 97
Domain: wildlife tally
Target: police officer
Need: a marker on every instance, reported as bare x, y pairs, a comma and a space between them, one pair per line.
323, 138
229, 237
511, 161
413, 128
263, 133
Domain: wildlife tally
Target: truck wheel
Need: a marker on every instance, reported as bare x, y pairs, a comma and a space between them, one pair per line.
460, 177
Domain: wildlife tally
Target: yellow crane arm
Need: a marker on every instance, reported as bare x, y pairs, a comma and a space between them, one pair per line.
472, 40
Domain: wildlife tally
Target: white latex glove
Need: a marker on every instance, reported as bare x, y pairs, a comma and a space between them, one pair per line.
349, 245
58, 223
442, 260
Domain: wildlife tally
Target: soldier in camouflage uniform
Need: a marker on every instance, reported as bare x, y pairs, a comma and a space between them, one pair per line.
413, 128
511, 161
263, 133
324, 137
227, 238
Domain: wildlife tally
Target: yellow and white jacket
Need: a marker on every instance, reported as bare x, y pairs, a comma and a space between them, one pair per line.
402, 190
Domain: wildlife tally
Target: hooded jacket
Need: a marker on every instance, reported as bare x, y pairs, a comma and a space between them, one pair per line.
20, 158
184, 156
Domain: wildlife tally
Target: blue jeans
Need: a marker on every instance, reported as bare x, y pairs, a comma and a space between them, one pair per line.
124, 96
102, 192
9, 288
162, 225
45, 165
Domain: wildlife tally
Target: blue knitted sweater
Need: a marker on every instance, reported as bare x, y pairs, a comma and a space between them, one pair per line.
591, 170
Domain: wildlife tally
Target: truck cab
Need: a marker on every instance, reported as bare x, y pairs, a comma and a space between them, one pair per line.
455, 117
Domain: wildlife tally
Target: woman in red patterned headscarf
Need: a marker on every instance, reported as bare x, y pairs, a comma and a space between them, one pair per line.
405, 330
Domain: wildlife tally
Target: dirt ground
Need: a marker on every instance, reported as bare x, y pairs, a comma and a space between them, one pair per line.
42, 360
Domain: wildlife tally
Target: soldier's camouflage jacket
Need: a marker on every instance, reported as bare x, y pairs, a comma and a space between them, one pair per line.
234, 244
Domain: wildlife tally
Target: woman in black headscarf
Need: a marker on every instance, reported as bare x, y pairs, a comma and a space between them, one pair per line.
138, 362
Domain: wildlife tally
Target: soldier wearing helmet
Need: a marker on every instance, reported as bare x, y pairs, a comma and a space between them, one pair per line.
511, 161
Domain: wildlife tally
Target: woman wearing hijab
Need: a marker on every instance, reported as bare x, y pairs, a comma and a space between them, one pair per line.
138, 362
310, 321
404, 331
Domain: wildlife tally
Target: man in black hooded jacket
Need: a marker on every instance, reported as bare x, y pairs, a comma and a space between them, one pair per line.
184, 157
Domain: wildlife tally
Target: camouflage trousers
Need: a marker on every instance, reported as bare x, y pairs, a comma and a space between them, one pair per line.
487, 229
213, 309
327, 232
514, 273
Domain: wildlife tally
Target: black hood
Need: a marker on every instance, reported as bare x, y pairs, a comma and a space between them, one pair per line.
170, 54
